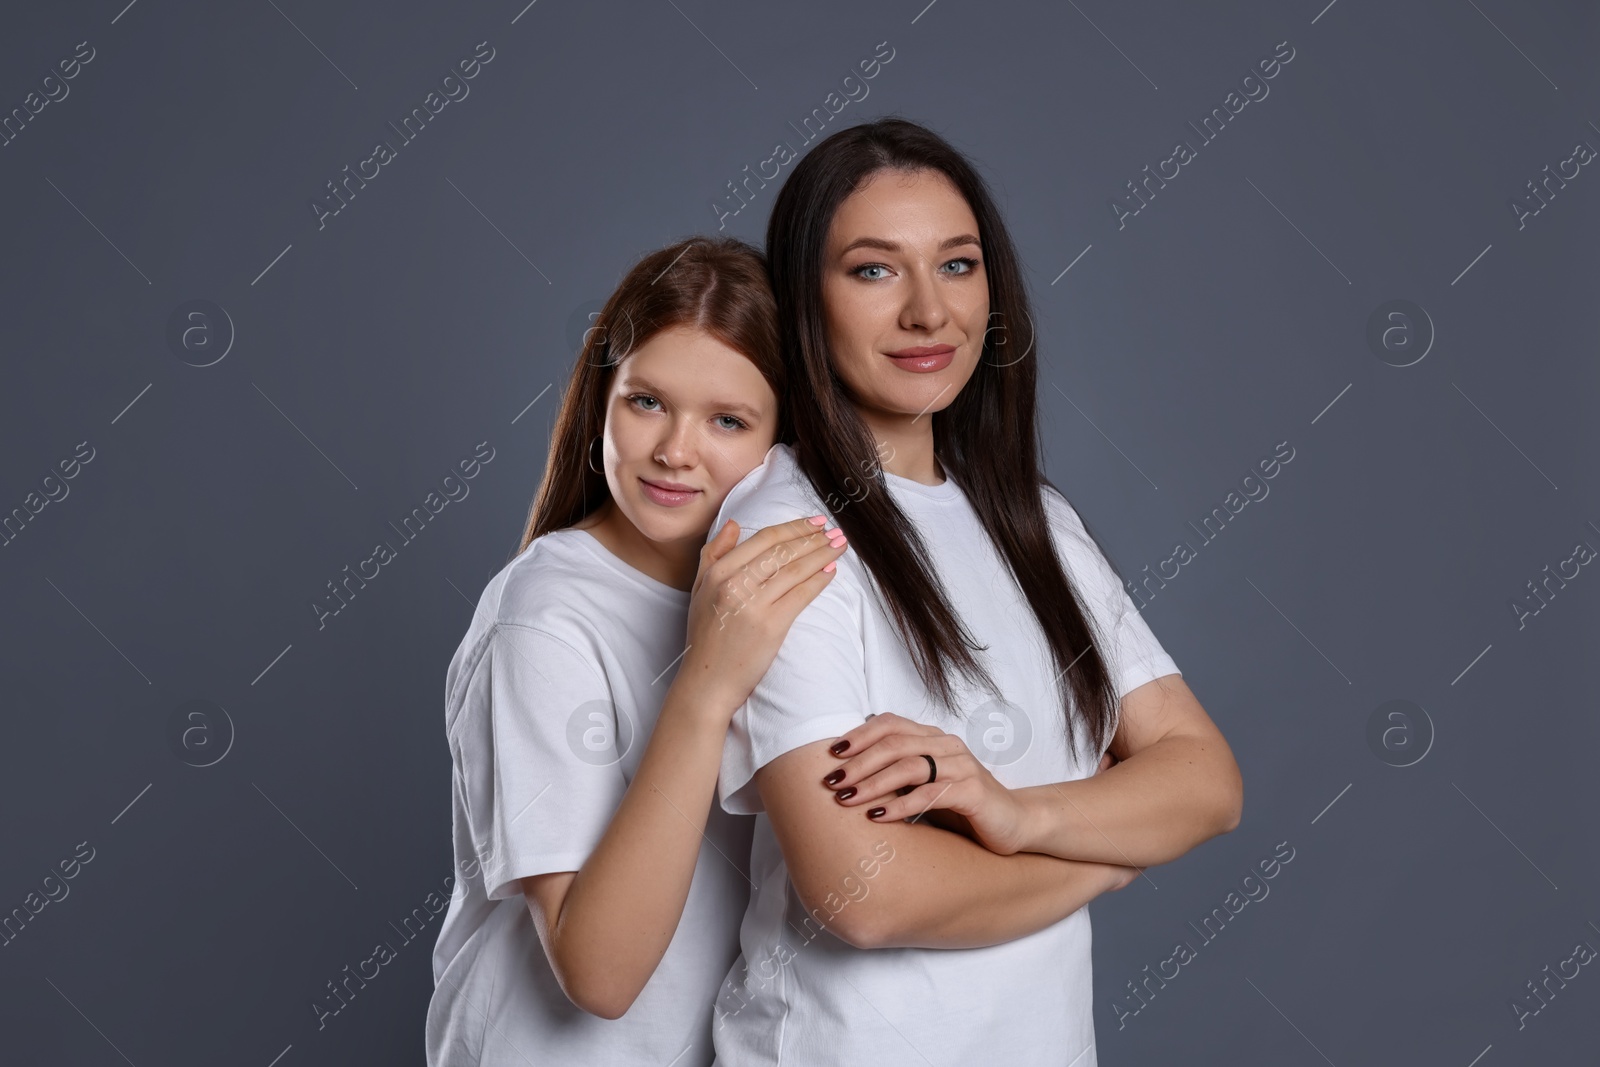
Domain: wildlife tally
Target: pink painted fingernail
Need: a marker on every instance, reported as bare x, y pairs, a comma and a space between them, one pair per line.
830, 566
818, 520
837, 541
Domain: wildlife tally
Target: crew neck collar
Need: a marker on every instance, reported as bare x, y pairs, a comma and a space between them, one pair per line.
628, 570
945, 490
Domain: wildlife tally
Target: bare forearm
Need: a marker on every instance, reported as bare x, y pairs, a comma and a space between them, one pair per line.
1151, 808
940, 890
946, 891
622, 908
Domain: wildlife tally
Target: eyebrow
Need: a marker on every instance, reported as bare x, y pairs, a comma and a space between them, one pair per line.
733, 407
891, 246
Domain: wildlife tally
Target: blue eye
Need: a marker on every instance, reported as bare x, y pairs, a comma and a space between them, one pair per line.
738, 423
868, 266
638, 399
968, 265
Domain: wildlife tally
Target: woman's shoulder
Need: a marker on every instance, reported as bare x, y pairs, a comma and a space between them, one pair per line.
776, 491
1080, 551
1059, 512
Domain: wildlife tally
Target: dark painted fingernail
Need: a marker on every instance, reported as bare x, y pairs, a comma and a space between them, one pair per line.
875, 813
838, 747
835, 778
846, 793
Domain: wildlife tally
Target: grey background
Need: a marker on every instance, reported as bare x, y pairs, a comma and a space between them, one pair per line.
370, 356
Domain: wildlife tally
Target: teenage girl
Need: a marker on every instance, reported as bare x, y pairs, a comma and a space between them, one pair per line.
975, 601
599, 890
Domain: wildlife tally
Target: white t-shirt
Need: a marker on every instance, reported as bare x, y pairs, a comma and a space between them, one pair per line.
564, 668
798, 996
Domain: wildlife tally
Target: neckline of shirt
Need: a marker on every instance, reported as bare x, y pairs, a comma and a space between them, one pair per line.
626, 569
945, 490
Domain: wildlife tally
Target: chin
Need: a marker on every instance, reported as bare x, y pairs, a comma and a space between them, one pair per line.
932, 392
935, 393
666, 525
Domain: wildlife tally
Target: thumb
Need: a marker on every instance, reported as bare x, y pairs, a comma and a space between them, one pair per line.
721, 544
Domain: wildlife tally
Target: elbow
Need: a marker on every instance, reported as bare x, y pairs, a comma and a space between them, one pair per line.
849, 920
592, 982
1215, 809
1231, 804
1219, 789
593, 991
604, 1005
864, 933
600, 999
1231, 816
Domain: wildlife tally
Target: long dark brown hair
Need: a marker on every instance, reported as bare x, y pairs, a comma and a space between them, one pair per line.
715, 284
987, 438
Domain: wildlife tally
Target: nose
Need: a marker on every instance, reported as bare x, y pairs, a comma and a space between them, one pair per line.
679, 446
924, 308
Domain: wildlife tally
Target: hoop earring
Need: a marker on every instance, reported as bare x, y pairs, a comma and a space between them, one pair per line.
591, 456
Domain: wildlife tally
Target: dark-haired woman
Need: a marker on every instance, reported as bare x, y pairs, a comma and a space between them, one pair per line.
974, 603
599, 894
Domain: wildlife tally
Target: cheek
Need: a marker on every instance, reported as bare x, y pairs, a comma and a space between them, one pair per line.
975, 318
857, 383
728, 466
851, 340
629, 438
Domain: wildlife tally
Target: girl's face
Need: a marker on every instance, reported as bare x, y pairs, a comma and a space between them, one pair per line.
905, 295
686, 418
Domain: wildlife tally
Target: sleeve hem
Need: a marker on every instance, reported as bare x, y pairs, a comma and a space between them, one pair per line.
502, 883
1144, 670
737, 789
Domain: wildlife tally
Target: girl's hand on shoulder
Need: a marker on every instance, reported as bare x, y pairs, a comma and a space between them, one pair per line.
883, 772
744, 599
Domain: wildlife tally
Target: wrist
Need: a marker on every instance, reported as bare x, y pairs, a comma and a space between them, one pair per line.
697, 692
1032, 819
1053, 821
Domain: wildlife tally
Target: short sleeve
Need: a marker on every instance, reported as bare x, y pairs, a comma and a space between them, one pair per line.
536, 757
1135, 656
815, 689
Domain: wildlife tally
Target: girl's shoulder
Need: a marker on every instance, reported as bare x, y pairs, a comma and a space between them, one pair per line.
546, 584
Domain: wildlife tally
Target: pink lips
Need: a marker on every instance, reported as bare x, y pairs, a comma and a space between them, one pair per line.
924, 359
668, 494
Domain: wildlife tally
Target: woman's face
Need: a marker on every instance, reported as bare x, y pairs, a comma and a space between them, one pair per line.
686, 418
905, 295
